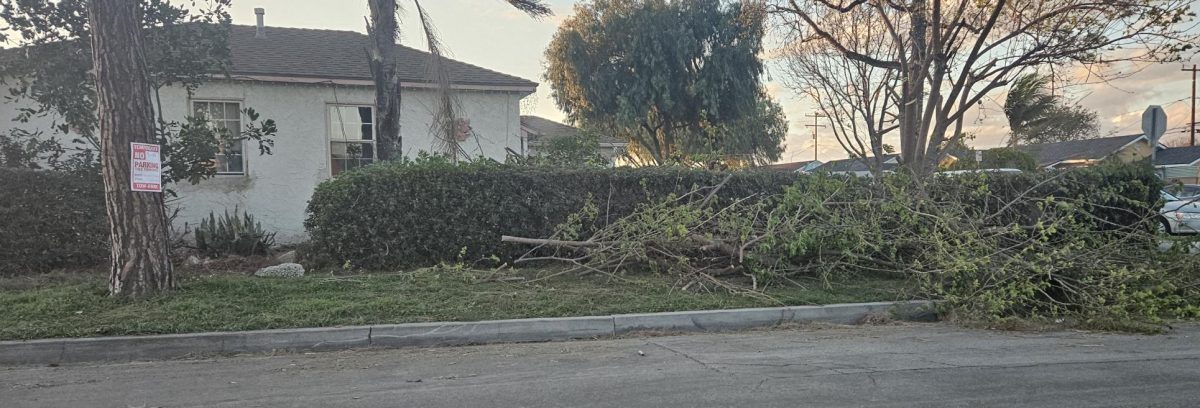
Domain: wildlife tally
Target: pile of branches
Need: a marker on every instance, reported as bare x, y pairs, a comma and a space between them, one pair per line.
985, 254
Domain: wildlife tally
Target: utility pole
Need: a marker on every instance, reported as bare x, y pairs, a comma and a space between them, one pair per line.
816, 124
1192, 125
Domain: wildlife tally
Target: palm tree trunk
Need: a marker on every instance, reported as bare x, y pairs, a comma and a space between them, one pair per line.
141, 261
382, 29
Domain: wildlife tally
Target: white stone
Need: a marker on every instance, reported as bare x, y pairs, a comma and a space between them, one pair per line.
286, 270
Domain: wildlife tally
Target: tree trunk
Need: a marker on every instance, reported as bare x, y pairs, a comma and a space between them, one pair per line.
382, 29
141, 261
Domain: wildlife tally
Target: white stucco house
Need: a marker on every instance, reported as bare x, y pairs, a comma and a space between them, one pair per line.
316, 85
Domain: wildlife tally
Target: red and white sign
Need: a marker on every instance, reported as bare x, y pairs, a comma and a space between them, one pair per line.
146, 167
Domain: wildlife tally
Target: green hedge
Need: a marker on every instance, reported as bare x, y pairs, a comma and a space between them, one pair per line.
402, 214
51, 220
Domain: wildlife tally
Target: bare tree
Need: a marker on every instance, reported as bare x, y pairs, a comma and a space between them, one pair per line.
858, 100
141, 261
952, 54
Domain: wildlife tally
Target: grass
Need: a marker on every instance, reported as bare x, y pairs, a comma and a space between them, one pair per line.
76, 305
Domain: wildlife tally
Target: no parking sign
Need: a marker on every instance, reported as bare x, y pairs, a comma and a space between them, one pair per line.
145, 167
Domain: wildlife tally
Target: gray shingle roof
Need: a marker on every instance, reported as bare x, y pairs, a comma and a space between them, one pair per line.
1177, 156
852, 165
330, 54
545, 128
1088, 149
790, 167
302, 52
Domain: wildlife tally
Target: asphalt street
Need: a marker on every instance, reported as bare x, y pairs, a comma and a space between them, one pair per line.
905, 365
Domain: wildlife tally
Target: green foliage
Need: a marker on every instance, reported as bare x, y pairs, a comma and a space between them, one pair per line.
51, 220
676, 78
999, 158
232, 235
190, 147
422, 212
185, 46
1036, 115
582, 150
1076, 247
1008, 158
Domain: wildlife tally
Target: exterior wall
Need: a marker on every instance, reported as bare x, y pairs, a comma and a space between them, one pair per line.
1180, 174
276, 188
1137, 151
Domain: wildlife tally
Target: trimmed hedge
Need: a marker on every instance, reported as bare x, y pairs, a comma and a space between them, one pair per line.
402, 214
51, 220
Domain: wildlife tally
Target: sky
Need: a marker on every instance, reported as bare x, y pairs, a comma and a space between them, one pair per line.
491, 34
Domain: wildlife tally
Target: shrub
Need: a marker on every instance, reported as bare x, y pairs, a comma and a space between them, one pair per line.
415, 213
51, 220
232, 235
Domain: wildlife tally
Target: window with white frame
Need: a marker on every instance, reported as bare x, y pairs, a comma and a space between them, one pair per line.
351, 137
225, 117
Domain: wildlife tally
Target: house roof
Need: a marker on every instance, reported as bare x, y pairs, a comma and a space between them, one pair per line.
857, 165
303, 52
791, 167
1177, 156
540, 128
1088, 149
334, 55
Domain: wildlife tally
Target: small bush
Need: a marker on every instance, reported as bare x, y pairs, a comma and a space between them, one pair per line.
51, 220
420, 213
232, 235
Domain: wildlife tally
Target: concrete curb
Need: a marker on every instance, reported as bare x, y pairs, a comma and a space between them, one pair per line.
157, 347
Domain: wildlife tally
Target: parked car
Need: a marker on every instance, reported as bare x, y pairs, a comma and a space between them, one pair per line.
1180, 216
1184, 191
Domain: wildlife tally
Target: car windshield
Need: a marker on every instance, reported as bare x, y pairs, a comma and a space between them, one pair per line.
1167, 196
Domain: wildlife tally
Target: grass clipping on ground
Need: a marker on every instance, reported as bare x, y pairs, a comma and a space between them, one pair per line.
77, 305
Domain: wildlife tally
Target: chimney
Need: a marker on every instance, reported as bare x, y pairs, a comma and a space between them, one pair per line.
261, 32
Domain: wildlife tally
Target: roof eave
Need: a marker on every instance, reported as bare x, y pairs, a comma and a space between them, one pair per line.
301, 79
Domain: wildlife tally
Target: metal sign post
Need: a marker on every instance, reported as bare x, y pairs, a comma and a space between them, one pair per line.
1154, 125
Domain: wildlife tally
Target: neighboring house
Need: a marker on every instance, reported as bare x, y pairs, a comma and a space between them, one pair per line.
536, 132
1179, 164
795, 167
858, 167
317, 86
1088, 152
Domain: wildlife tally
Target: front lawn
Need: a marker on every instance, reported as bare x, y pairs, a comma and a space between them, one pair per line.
75, 305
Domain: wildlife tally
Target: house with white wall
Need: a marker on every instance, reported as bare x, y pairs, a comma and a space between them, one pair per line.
317, 86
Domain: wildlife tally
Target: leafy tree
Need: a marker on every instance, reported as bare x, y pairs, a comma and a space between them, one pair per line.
949, 55
676, 78
1035, 115
52, 72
